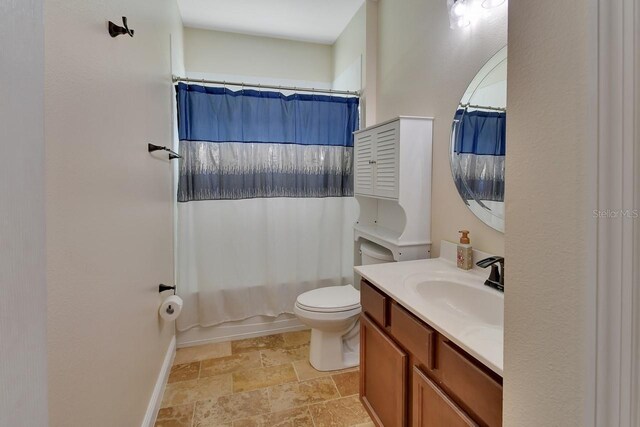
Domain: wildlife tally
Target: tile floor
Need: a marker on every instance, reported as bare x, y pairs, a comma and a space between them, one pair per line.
265, 381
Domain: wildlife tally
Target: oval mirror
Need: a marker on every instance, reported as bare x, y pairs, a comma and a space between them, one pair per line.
478, 142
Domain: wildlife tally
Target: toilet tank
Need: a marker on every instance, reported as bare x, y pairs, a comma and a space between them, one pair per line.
374, 254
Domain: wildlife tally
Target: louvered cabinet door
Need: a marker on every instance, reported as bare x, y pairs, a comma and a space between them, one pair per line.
364, 164
386, 161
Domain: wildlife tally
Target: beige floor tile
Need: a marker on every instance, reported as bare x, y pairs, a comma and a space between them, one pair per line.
305, 371
279, 356
229, 364
184, 372
265, 381
202, 352
343, 412
226, 409
256, 344
292, 395
175, 416
297, 417
190, 391
297, 338
253, 379
348, 383
249, 422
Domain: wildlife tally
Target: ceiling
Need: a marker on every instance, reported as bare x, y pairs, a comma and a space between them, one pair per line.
317, 21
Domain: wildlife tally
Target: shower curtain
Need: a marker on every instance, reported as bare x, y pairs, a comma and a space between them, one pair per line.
265, 206
479, 149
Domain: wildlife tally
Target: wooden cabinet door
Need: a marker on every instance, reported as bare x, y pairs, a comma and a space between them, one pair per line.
431, 407
383, 376
364, 163
386, 160
480, 393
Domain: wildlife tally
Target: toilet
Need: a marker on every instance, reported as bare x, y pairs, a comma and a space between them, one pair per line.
332, 313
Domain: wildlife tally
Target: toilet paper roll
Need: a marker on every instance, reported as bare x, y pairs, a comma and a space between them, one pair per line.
170, 308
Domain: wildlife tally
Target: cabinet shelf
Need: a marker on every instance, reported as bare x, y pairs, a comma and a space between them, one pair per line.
402, 250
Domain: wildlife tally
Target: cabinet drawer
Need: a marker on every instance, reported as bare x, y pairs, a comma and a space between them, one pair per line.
481, 393
413, 335
432, 407
374, 303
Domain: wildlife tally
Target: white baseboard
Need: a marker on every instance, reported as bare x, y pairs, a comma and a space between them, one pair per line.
158, 390
230, 331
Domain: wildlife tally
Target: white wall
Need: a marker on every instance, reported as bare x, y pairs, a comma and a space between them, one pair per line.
424, 68
348, 53
546, 298
355, 59
216, 52
108, 206
23, 387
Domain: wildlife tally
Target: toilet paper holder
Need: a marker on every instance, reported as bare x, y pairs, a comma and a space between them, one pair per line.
162, 288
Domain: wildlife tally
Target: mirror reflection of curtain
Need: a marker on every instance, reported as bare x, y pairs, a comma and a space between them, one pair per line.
479, 154
265, 209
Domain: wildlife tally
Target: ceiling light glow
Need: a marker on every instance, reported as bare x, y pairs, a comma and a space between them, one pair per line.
490, 4
459, 8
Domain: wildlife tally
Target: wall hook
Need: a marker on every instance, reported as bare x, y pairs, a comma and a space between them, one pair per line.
117, 30
172, 154
162, 288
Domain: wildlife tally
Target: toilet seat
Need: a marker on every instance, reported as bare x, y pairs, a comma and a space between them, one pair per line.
332, 299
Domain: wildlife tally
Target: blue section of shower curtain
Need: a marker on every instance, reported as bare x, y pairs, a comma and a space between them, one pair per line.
221, 115
481, 132
479, 147
250, 144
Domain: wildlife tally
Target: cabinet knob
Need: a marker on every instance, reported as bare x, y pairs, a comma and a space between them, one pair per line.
372, 162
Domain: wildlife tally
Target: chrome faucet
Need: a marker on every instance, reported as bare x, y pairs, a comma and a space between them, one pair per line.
496, 278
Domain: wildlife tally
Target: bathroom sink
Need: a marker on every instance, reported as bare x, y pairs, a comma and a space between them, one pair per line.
454, 302
462, 297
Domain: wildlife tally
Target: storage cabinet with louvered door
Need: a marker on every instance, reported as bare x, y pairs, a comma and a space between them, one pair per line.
376, 161
386, 161
364, 163
392, 184
393, 154
431, 407
383, 376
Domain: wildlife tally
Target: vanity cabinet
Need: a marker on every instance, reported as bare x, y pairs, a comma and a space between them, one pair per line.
411, 375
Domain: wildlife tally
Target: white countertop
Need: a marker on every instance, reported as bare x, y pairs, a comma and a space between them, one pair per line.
482, 340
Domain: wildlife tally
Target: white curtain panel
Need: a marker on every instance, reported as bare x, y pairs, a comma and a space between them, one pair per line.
242, 258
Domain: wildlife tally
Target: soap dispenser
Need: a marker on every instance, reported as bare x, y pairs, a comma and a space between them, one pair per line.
465, 252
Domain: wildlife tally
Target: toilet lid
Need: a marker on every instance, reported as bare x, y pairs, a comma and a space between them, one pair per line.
330, 299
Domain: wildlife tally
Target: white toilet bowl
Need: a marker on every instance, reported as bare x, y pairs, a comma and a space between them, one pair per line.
332, 314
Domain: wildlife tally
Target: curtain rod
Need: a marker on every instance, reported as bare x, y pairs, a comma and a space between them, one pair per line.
261, 86
482, 107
